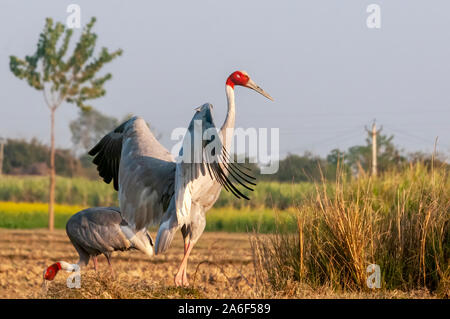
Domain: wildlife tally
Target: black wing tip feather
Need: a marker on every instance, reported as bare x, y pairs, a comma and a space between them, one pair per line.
219, 172
219, 167
107, 153
95, 149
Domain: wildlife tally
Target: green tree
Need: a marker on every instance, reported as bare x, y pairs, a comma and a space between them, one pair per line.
63, 78
388, 154
429, 160
90, 127
301, 168
336, 164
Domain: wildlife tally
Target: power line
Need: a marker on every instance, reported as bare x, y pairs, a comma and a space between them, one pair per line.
403, 113
328, 140
347, 134
412, 136
318, 129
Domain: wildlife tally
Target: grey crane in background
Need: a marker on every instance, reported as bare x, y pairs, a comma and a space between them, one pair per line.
155, 189
100, 230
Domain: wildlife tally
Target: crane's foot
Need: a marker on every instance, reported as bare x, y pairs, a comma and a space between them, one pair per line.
108, 258
180, 277
113, 274
181, 280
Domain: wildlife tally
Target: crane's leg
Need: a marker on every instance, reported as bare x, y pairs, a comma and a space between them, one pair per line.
94, 258
180, 277
108, 258
84, 255
186, 245
191, 233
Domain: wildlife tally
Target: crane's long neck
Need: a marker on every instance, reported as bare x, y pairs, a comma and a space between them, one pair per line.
53, 269
227, 128
68, 267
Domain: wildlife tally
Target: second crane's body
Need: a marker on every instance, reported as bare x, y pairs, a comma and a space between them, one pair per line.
154, 189
100, 230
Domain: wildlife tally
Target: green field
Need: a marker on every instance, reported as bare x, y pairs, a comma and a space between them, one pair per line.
70, 191
85, 192
22, 201
35, 215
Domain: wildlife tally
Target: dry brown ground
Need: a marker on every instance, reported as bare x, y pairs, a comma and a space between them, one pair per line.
220, 267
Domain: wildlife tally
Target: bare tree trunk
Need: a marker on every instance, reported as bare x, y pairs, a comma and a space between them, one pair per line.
1, 155
51, 209
374, 150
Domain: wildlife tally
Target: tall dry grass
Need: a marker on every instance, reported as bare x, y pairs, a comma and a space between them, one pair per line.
399, 221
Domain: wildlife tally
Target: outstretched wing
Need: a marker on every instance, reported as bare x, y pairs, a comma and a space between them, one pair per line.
203, 160
143, 171
107, 154
207, 155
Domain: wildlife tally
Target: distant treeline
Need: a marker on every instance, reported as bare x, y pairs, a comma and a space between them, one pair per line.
32, 157
22, 157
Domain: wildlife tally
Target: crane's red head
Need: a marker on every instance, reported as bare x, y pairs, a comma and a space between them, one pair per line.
243, 79
51, 271
238, 78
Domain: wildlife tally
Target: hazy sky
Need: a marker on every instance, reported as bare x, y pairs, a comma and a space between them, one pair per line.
330, 75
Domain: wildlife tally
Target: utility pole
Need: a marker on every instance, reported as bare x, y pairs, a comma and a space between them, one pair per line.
2, 143
374, 149
373, 132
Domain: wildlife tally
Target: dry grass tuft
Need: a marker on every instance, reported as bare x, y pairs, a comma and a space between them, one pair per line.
399, 221
103, 286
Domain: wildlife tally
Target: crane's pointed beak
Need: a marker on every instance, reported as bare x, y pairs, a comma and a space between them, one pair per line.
252, 85
44, 285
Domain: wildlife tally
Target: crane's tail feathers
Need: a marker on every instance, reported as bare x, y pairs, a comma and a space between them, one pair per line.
164, 239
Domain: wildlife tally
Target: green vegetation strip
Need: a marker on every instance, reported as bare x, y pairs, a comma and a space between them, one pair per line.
35, 215
89, 193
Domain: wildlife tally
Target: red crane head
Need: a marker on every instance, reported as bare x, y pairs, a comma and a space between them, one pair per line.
51, 271
243, 79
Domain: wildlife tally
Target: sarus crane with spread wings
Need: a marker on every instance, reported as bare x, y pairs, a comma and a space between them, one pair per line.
155, 189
